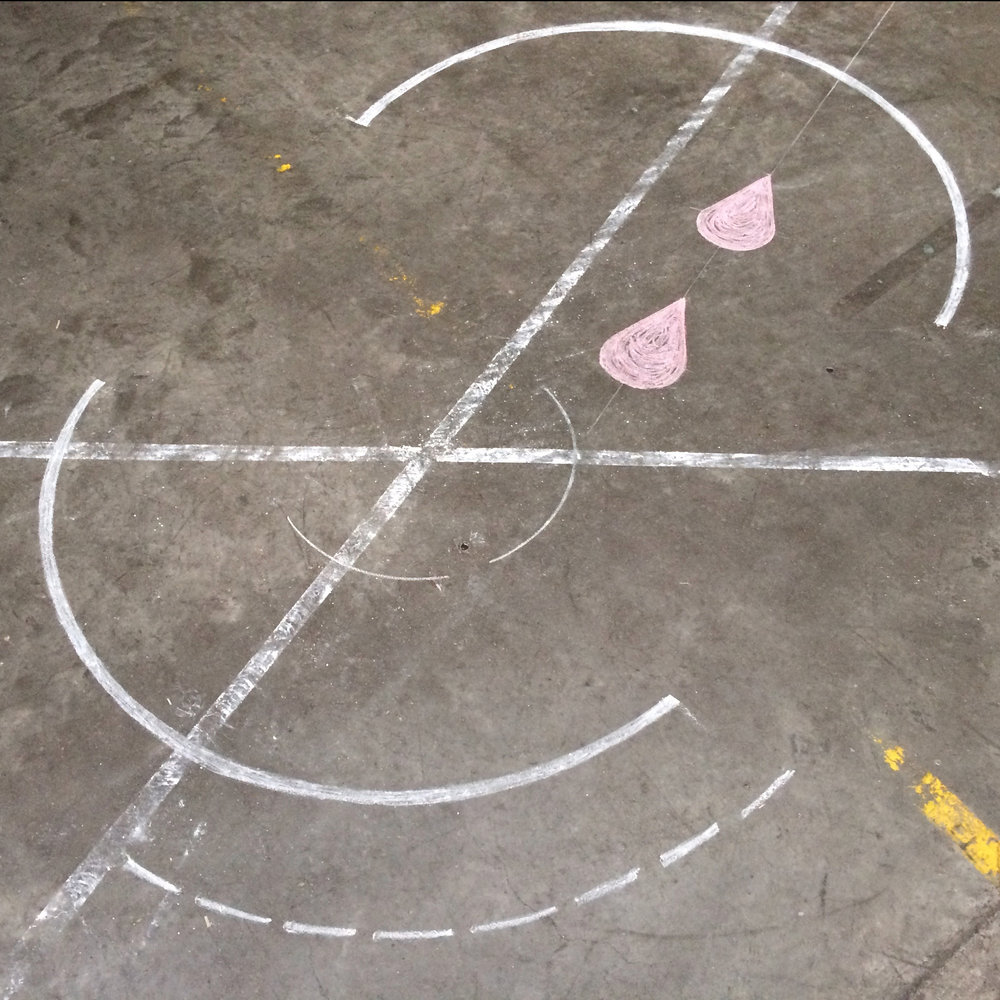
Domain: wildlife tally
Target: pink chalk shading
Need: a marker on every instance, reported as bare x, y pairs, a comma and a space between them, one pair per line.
650, 354
741, 221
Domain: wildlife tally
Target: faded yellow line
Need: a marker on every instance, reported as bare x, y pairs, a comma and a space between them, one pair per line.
979, 844
945, 809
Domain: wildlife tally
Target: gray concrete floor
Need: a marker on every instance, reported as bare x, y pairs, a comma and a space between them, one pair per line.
806, 617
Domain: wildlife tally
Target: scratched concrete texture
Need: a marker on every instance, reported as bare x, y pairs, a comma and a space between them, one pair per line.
190, 215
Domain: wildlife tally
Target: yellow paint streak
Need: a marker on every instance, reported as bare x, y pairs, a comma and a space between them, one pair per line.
977, 841
421, 306
284, 167
894, 757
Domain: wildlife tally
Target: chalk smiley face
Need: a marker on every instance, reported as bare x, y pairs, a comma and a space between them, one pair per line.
188, 747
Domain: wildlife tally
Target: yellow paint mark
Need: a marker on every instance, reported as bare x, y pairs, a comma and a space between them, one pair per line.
277, 156
284, 167
894, 756
977, 841
427, 309
421, 306
223, 100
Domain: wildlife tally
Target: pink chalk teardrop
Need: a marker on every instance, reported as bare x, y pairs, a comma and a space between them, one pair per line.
650, 354
742, 221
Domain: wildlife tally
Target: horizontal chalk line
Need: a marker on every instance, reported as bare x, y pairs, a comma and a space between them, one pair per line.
412, 935
780, 461
292, 927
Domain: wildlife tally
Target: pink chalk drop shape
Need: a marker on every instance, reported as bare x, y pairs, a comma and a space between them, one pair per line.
742, 221
650, 354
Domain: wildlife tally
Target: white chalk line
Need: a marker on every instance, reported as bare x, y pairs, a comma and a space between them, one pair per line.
756, 43
81, 883
683, 849
230, 911
134, 868
800, 461
319, 930
365, 572
566, 491
775, 785
412, 935
599, 891
510, 922
605, 888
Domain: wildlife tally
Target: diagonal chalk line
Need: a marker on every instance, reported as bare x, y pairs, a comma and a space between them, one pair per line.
108, 852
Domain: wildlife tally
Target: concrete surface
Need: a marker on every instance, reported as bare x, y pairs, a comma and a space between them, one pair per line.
814, 623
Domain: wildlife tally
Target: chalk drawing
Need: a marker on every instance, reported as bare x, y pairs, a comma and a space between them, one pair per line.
107, 852
757, 43
740, 221
650, 354
599, 891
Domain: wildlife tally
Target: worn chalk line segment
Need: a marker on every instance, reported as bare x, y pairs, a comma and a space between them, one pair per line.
318, 930
134, 868
775, 785
757, 43
605, 888
230, 911
804, 461
599, 891
108, 851
682, 850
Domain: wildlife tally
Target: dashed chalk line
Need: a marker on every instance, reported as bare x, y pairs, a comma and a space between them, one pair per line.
620, 882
